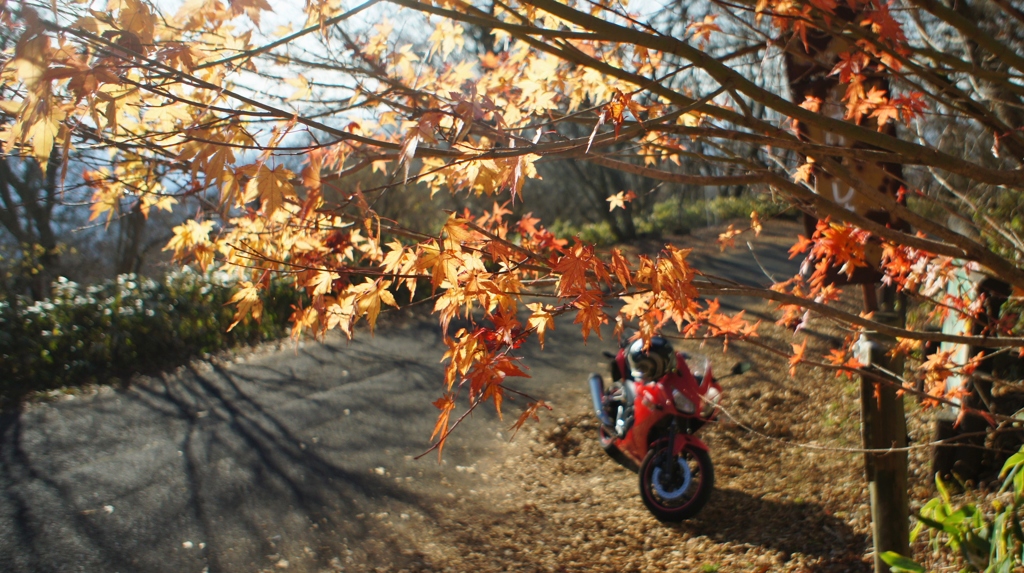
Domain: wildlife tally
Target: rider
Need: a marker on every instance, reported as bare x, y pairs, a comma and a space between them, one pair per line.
643, 366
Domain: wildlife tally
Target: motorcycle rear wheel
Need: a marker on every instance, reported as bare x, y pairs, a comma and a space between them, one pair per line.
675, 488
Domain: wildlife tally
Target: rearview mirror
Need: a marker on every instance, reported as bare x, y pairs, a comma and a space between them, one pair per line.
742, 367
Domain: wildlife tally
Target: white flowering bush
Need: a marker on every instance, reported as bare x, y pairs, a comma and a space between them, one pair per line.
89, 334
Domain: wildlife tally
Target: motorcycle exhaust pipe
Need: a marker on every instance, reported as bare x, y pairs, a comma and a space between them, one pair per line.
597, 393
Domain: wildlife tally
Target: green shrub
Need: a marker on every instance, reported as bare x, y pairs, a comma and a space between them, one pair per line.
597, 233
678, 217
114, 329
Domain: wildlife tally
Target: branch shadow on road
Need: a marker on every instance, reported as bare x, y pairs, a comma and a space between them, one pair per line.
257, 462
29, 501
254, 477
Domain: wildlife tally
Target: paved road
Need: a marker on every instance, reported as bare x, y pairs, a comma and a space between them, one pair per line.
283, 460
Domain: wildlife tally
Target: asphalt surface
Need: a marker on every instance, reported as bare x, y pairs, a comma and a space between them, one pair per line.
284, 460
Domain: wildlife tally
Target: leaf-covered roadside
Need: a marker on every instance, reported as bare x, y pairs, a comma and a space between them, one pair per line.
554, 501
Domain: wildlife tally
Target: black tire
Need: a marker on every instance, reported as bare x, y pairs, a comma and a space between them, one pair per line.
609, 447
679, 498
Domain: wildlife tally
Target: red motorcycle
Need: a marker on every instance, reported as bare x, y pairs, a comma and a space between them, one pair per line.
651, 425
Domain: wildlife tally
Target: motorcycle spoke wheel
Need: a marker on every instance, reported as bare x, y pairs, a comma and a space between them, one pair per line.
675, 488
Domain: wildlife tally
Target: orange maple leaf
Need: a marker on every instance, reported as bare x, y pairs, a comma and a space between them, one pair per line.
728, 238
811, 103
620, 267
704, 29
573, 268
591, 316
798, 356
529, 412
541, 319
802, 245
446, 404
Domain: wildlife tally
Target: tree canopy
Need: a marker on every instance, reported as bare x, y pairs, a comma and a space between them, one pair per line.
282, 142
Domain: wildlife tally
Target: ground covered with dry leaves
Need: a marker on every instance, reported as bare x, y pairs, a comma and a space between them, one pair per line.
790, 492
787, 496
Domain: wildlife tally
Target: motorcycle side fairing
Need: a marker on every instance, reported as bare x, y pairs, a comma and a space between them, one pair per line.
654, 402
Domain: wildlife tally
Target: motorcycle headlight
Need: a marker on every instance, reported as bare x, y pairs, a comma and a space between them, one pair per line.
682, 403
711, 399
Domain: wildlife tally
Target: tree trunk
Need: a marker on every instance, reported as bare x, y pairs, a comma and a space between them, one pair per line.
129, 259
883, 420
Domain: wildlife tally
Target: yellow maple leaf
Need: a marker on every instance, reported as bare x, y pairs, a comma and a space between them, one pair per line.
803, 173
620, 199
369, 296
447, 37
457, 231
321, 282
636, 305
42, 133
541, 319
136, 18
302, 87
106, 199
189, 235
271, 186
158, 200
248, 301
30, 59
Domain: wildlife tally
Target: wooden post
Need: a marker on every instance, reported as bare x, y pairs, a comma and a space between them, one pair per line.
884, 426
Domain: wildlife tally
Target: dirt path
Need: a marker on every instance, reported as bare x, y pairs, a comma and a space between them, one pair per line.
555, 502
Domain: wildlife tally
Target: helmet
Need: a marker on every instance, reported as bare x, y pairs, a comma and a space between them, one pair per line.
652, 363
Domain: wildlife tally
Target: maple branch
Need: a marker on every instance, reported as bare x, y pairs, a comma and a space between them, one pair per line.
725, 75
290, 37
682, 178
116, 49
880, 377
854, 319
957, 246
970, 29
513, 246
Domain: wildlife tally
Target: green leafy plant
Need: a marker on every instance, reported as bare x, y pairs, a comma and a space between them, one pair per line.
989, 540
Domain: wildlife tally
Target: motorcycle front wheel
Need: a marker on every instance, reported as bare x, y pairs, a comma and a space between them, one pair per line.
675, 488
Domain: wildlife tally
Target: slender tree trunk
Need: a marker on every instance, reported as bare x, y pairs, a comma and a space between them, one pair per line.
129, 250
